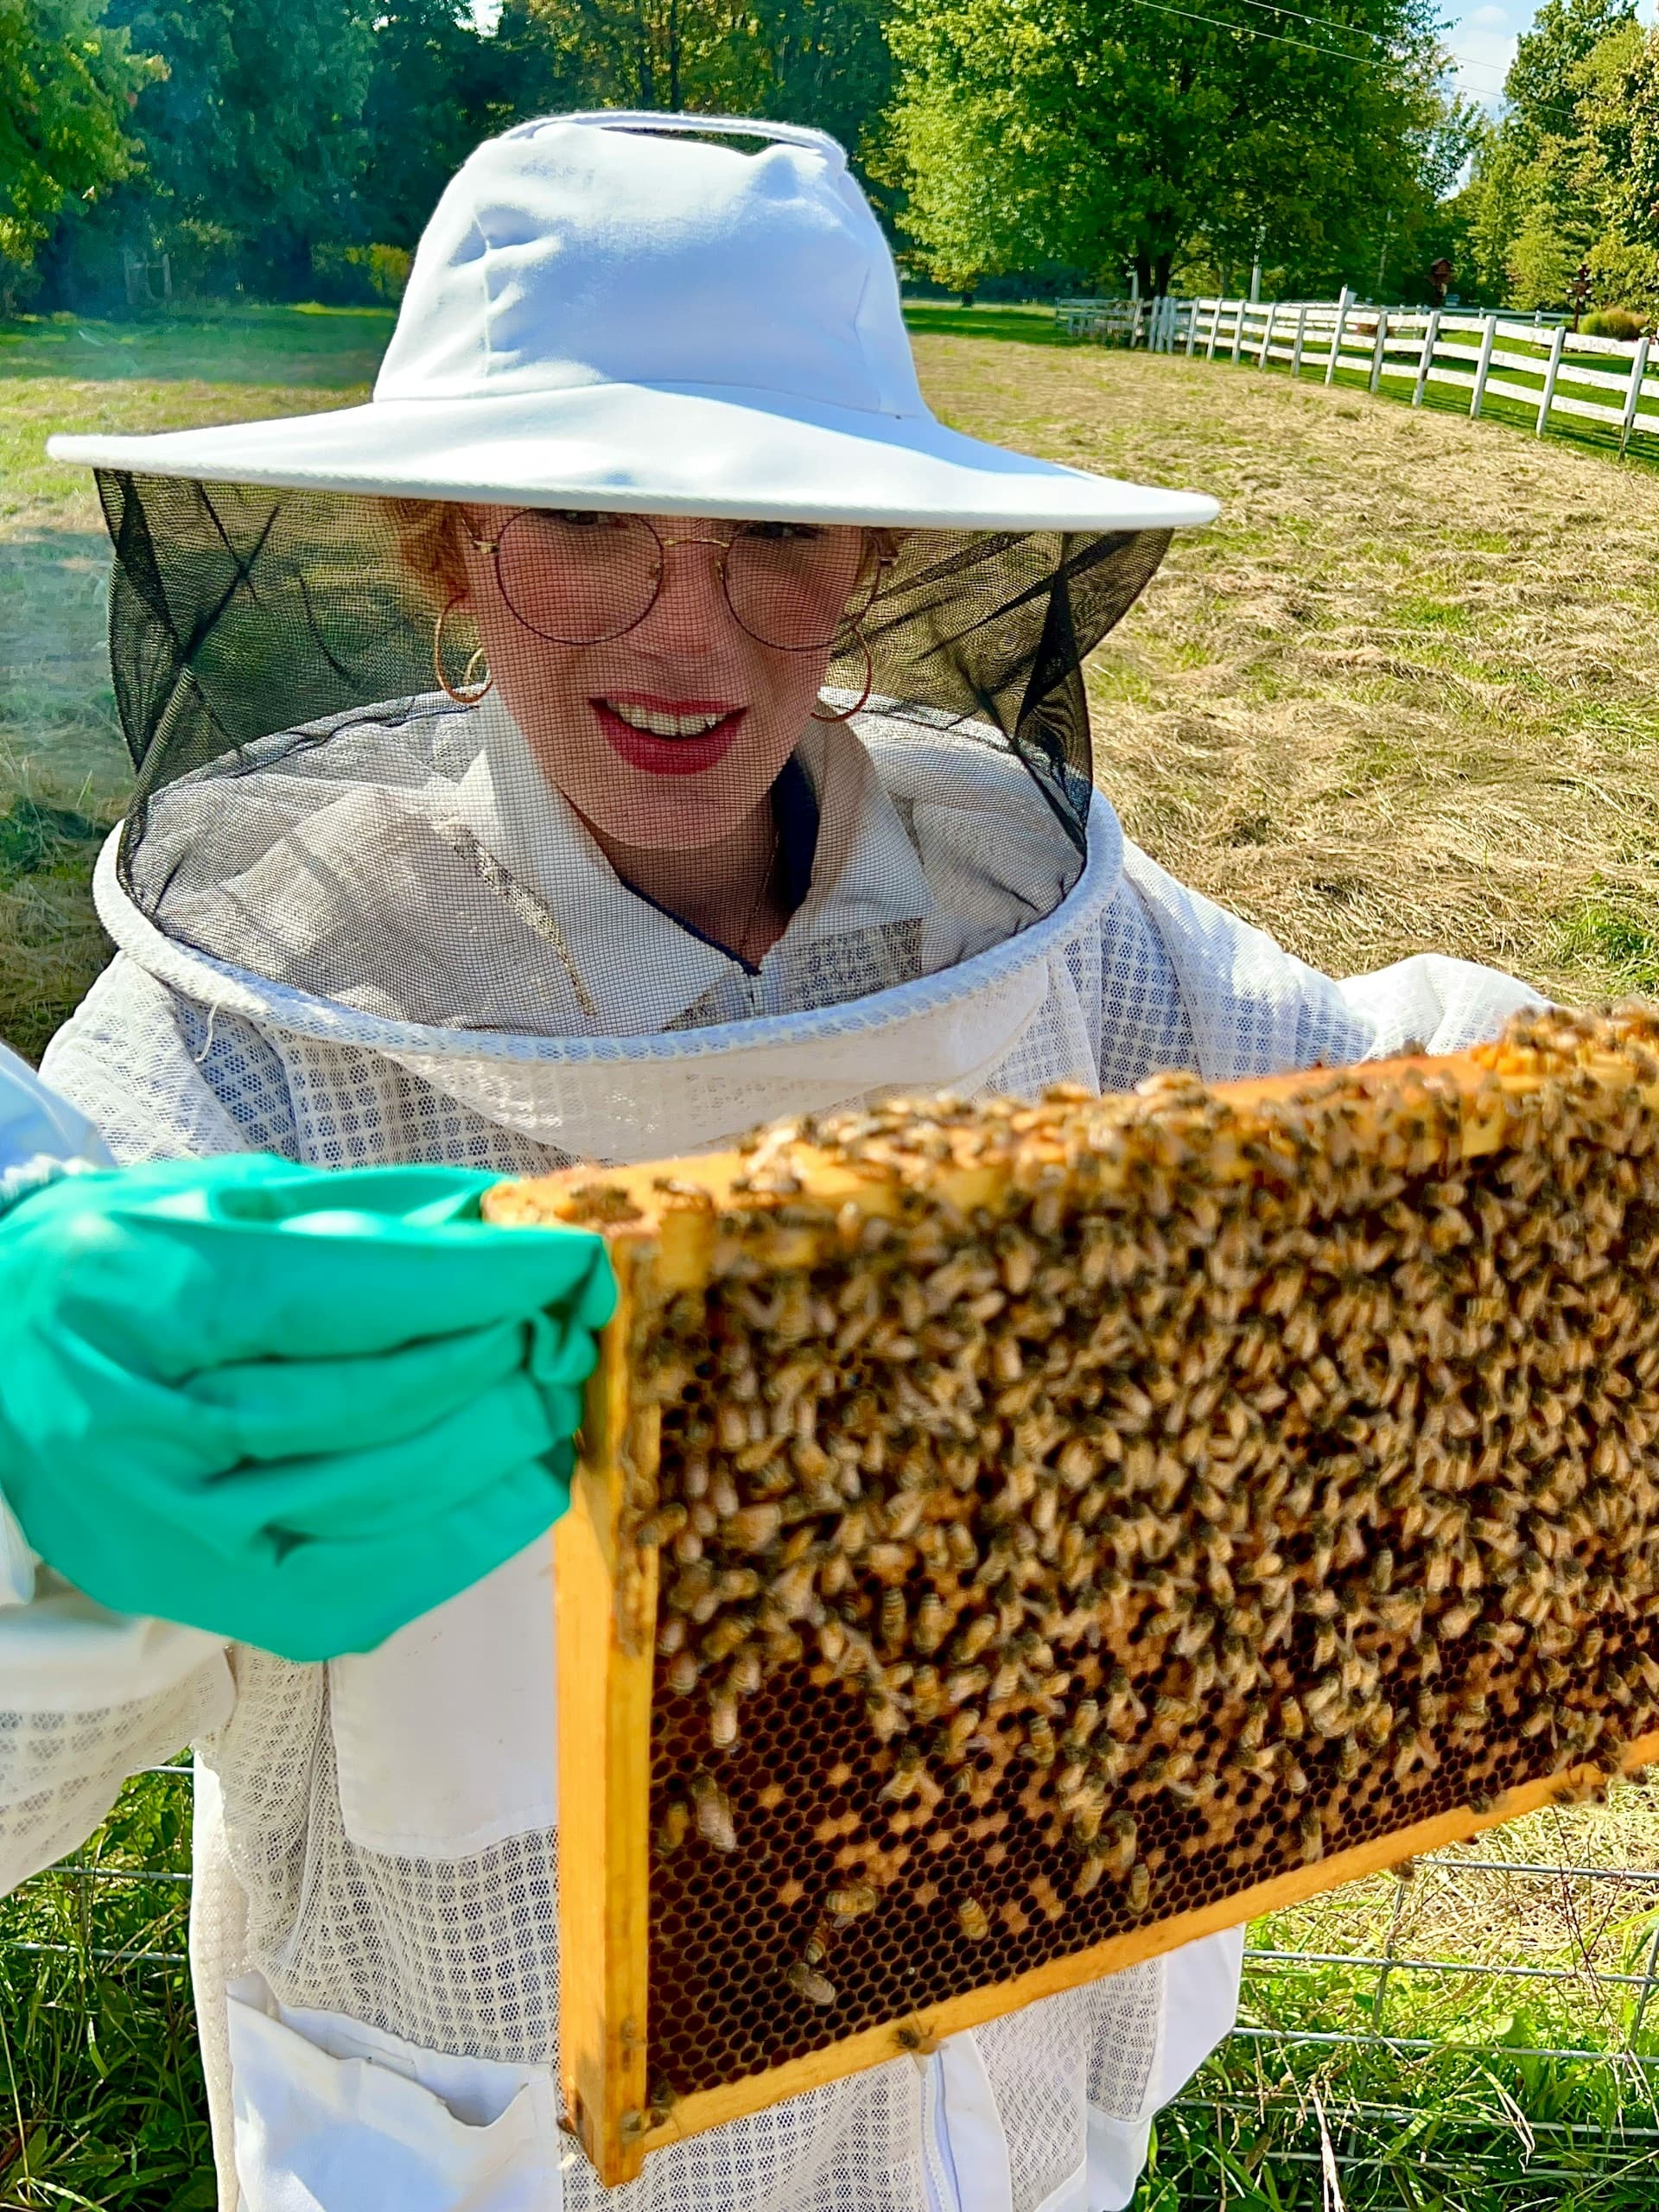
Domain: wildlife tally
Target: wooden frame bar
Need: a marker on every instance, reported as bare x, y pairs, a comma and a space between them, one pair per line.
606, 1602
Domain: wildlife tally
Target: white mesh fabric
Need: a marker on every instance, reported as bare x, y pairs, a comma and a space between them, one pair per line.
60, 1772
177, 1050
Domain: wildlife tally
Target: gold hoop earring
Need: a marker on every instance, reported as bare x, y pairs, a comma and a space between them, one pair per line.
846, 715
464, 697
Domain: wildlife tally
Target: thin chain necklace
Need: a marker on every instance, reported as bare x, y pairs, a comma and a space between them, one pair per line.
760, 895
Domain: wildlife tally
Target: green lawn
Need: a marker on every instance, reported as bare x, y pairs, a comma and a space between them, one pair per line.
1405, 694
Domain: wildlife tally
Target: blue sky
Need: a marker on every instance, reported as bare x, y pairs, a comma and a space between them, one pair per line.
1482, 40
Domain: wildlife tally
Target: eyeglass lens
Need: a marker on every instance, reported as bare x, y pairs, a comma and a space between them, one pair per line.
578, 578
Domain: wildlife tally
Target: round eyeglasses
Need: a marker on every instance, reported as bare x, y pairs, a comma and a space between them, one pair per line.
577, 578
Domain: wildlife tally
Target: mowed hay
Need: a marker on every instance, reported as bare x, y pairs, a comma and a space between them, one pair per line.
1073, 1517
1403, 696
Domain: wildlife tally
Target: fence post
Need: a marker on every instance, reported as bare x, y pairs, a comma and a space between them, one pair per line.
1343, 306
1638, 369
1238, 329
1215, 330
1551, 372
1296, 343
1192, 326
1376, 350
1427, 360
1266, 347
1488, 339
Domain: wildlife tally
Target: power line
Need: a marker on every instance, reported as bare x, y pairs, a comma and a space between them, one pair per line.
1245, 30
1330, 22
1306, 46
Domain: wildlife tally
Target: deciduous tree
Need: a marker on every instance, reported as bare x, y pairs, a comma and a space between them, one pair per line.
1107, 134
67, 82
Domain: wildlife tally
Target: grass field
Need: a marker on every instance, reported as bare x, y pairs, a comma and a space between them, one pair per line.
1405, 695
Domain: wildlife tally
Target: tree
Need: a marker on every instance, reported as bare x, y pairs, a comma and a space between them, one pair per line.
1620, 108
66, 82
1560, 183
1101, 135
823, 62
255, 140
436, 87
1541, 89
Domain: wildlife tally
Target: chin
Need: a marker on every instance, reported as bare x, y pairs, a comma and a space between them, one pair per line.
669, 821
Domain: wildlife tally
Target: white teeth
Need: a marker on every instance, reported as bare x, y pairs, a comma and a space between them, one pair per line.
660, 725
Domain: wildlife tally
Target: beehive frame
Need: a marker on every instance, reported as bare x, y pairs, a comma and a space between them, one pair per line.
1584, 1097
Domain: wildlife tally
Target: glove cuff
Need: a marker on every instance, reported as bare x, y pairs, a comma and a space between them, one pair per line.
18, 1560
28, 1176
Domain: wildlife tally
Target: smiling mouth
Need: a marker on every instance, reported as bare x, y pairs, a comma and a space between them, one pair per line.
656, 721
669, 737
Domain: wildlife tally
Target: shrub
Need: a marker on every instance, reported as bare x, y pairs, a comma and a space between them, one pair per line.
359, 276
1613, 322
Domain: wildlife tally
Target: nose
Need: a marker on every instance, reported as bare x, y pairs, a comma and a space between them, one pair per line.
689, 613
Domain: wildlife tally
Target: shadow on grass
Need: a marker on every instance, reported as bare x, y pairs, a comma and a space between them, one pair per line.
58, 724
331, 348
1033, 326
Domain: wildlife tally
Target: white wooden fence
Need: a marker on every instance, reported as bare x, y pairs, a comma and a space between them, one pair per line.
1551, 371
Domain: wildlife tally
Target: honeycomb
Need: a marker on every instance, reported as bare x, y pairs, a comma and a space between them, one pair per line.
1072, 1515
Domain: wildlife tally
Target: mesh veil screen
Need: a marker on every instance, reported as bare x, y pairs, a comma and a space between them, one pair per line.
273, 655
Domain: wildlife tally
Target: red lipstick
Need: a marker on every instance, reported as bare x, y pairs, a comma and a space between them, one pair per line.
667, 756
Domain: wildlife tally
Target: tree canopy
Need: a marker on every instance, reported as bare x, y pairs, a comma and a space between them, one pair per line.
1111, 134
297, 151
1570, 176
67, 82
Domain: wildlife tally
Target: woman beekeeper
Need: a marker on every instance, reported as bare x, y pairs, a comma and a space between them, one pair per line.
639, 720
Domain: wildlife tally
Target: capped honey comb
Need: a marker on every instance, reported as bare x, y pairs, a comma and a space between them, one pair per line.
1012, 1540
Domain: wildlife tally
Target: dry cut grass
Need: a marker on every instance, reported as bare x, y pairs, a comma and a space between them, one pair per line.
1404, 696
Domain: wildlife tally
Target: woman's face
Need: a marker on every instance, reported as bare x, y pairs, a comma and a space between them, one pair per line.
671, 734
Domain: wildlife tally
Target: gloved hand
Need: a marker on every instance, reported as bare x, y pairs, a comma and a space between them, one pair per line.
292, 1407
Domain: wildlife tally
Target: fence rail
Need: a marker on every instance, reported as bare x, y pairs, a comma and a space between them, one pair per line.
1542, 367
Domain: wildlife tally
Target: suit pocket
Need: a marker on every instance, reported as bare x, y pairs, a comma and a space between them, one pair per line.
331, 2116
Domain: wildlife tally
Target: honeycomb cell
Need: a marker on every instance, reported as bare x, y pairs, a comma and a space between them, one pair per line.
1103, 1551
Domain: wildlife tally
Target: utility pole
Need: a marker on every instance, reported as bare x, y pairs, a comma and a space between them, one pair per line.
1383, 257
1255, 266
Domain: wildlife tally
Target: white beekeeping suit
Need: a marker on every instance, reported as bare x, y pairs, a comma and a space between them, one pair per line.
90, 1696
362, 916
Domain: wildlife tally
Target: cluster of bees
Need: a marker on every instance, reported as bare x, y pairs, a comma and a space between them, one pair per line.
1237, 1480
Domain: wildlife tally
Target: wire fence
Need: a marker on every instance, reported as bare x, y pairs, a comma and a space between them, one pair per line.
1484, 2034
1523, 368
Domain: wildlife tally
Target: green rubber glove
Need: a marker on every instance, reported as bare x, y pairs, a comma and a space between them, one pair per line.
295, 1407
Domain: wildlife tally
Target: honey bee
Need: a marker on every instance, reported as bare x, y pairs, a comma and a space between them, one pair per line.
753, 1528
908, 1765
894, 1618
672, 1828
722, 1719
931, 1624
849, 1901
713, 1813
807, 1982
972, 1921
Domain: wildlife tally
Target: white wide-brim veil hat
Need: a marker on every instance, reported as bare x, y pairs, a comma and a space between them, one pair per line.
610, 312
361, 910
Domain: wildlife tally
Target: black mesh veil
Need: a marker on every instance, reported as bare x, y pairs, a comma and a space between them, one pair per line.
250, 628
